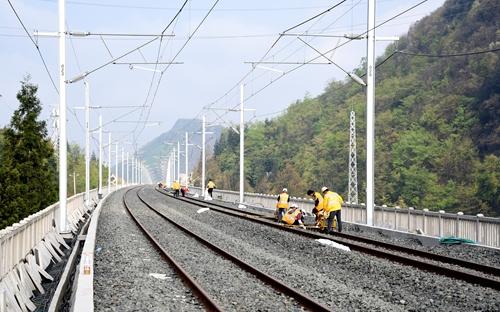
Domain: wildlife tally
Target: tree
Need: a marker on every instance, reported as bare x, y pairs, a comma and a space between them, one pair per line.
28, 177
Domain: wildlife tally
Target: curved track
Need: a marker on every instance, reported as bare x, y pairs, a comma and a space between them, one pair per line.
192, 284
427, 261
303, 299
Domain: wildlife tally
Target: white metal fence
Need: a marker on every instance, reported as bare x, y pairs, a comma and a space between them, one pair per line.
483, 230
28, 247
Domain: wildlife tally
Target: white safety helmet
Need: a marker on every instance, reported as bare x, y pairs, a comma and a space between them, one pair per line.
294, 205
285, 190
323, 189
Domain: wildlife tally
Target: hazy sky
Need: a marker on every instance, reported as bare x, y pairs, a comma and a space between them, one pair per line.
235, 32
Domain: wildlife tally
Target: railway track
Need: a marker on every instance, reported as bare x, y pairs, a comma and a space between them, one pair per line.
475, 273
209, 302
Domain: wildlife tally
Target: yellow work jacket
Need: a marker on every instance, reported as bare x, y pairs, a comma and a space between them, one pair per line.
332, 201
283, 201
211, 185
319, 206
176, 186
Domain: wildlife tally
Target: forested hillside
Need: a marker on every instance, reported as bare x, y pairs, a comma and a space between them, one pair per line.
437, 123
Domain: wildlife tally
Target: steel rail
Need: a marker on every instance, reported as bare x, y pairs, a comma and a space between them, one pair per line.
301, 298
487, 269
210, 305
420, 264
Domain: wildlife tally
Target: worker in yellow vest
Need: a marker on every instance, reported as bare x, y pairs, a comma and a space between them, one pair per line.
282, 204
332, 204
210, 187
294, 216
176, 186
318, 208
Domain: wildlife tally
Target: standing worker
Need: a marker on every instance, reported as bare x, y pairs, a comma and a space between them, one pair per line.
176, 186
332, 204
282, 204
210, 187
318, 207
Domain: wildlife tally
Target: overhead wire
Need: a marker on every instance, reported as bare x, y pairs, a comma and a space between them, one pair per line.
36, 46
268, 51
387, 58
156, 66
331, 50
125, 6
283, 48
176, 55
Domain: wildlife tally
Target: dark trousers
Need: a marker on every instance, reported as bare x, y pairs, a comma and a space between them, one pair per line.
183, 192
333, 214
210, 190
281, 213
176, 193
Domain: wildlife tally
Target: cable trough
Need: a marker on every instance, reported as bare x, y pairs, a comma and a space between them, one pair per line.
301, 299
468, 271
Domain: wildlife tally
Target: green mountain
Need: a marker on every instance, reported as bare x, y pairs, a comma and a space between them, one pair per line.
158, 148
437, 123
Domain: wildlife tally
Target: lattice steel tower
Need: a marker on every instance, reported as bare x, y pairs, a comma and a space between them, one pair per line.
353, 167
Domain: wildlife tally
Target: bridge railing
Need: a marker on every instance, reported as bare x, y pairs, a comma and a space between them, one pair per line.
18, 240
483, 230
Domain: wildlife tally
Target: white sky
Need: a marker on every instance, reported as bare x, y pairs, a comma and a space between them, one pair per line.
235, 32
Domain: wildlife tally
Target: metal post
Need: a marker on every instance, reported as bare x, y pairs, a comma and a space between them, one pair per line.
174, 165
167, 176
370, 114
178, 161
127, 180
116, 166
132, 164
109, 162
123, 167
99, 192
63, 169
353, 167
134, 169
187, 175
242, 144
203, 157
87, 144
74, 183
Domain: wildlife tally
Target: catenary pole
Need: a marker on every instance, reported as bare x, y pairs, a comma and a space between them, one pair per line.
116, 166
186, 152
178, 161
123, 167
109, 162
63, 169
127, 165
99, 193
87, 144
203, 156
370, 114
242, 143
132, 163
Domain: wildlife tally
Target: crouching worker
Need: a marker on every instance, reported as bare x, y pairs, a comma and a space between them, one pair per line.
176, 187
184, 191
294, 216
318, 208
282, 204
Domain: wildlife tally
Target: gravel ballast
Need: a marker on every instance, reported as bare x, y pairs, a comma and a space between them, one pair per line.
230, 286
124, 260
467, 252
343, 280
